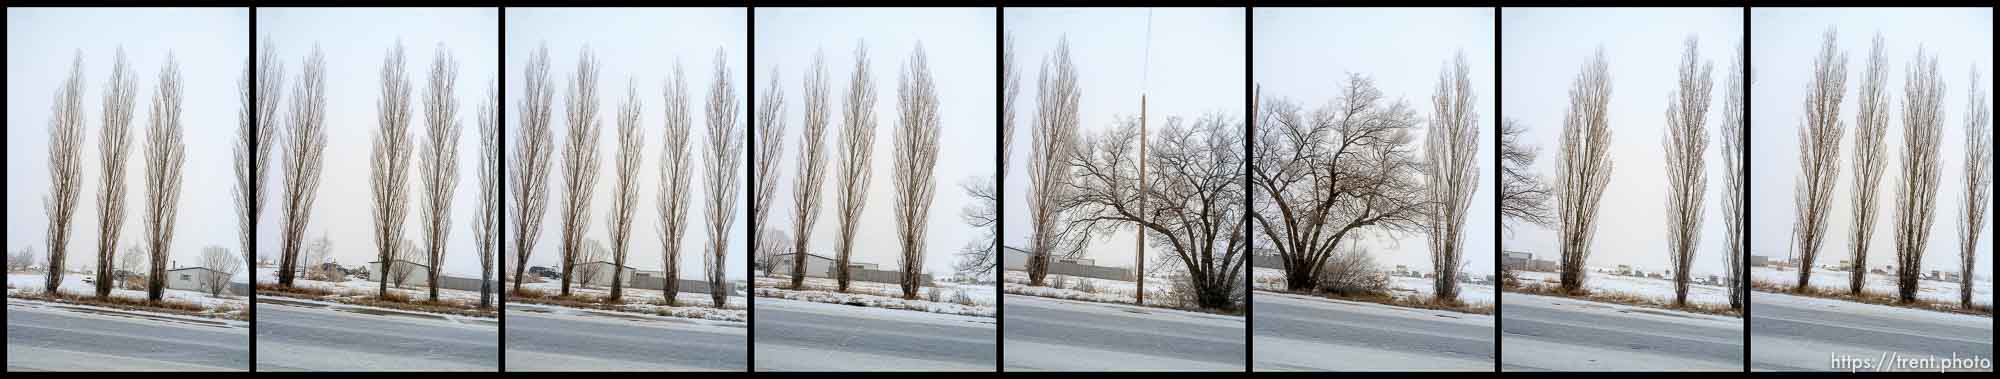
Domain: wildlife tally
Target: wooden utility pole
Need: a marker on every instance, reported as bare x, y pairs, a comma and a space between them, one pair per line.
1141, 239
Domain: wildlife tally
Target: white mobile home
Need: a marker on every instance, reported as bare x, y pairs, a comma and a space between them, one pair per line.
198, 279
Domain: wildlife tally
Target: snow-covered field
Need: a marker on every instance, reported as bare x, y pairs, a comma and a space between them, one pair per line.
1938, 291
1271, 279
953, 298
1089, 289
226, 306
1659, 290
649, 301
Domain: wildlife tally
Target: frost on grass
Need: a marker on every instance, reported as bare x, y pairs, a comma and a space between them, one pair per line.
942, 297
182, 302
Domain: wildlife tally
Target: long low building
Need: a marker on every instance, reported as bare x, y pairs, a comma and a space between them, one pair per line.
1017, 260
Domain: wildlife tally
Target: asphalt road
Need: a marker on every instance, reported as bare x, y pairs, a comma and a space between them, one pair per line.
46, 337
539, 341
1063, 335
293, 338
1792, 333
803, 336
1560, 334
1296, 333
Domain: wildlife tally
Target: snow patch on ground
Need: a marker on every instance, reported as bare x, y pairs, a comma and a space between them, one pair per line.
875, 313
1089, 289
1402, 287
1932, 290
689, 305
226, 306
721, 324
1659, 290
955, 298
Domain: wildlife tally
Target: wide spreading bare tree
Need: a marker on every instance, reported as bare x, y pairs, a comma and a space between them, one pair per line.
1194, 212
1348, 165
580, 160
625, 193
488, 234
301, 158
529, 176
1819, 154
770, 246
389, 160
1585, 168
1978, 183
1735, 191
980, 257
1524, 195
1871, 127
113, 145
1686, 141
133, 261
857, 142
915, 165
724, 148
771, 146
223, 264
166, 154
440, 161
674, 174
1916, 195
806, 194
401, 265
586, 272
65, 169
1451, 169
1057, 98
254, 140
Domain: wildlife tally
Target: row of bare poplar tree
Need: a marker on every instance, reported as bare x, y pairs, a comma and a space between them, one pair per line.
916, 151
301, 137
1917, 192
165, 154
529, 176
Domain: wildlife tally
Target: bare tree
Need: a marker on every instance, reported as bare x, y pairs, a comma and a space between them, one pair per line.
439, 171
113, 145
1344, 167
488, 234
529, 177
1057, 97
254, 140
132, 263
1978, 183
1819, 154
674, 174
857, 139
1735, 200
1452, 172
302, 158
771, 146
1194, 212
165, 155
770, 246
1916, 197
725, 150
1585, 168
1524, 195
65, 169
389, 160
587, 256
916, 165
401, 265
1870, 156
806, 194
222, 264
579, 160
1686, 141
625, 194
981, 256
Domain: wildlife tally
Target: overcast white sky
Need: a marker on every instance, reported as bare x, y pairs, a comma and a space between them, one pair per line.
355, 41
1195, 67
211, 45
959, 44
1304, 54
1544, 48
1785, 41
636, 45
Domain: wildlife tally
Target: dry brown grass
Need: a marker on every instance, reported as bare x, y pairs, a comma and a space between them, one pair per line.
168, 306
394, 299
1869, 296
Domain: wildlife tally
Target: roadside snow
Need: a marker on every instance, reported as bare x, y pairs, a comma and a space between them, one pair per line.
1402, 287
1088, 289
954, 298
1933, 290
226, 306
1659, 290
651, 301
